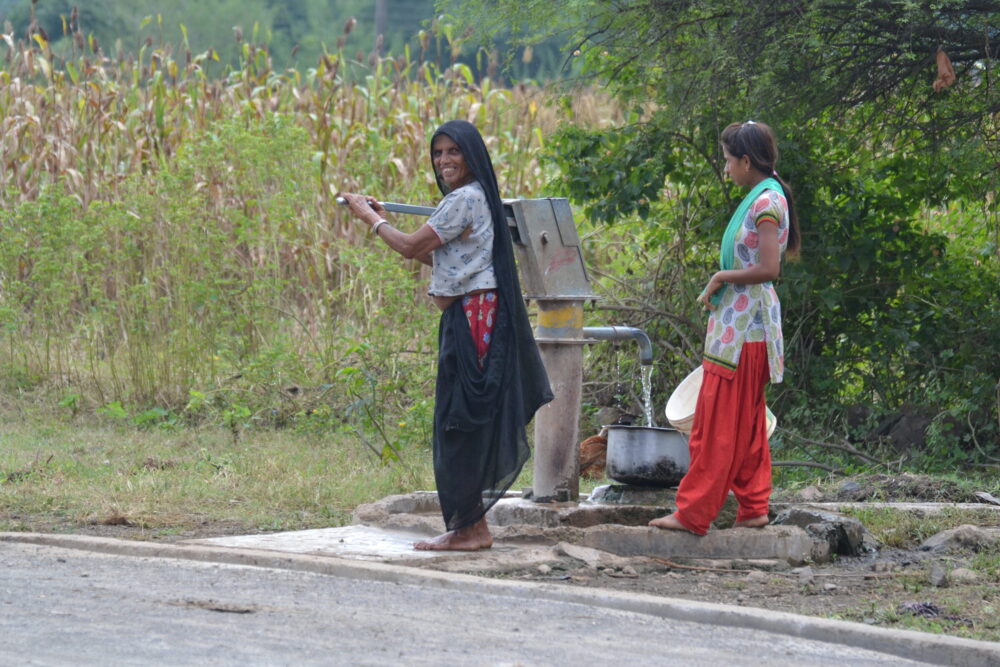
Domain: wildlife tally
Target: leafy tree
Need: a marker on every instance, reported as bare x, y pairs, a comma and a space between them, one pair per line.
295, 32
871, 146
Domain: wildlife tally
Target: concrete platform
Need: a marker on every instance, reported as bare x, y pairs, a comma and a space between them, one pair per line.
526, 532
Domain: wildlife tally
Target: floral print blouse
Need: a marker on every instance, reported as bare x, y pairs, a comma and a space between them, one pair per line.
464, 263
749, 313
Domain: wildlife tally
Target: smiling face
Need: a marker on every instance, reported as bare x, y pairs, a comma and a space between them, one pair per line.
449, 163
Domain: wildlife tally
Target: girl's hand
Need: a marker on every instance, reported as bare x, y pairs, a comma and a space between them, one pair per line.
713, 286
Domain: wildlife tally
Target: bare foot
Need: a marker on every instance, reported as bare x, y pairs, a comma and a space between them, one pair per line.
670, 522
471, 538
756, 522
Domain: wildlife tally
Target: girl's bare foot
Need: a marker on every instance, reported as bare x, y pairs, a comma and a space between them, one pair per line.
670, 522
471, 538
756, 522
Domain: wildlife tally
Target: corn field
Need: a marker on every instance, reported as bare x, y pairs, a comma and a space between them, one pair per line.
171, 239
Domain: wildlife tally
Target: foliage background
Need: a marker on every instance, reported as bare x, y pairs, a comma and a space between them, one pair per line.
296, 32
171, 253
892, 312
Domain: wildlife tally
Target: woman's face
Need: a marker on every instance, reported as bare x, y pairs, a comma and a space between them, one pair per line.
449, 163
738, 168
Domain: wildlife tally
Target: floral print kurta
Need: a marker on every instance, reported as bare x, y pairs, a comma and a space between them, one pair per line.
750, 313
464, 261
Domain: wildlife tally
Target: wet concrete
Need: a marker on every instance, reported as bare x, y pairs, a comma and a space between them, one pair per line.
355, 542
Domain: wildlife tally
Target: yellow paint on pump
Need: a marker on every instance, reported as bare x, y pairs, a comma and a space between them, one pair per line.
561, 317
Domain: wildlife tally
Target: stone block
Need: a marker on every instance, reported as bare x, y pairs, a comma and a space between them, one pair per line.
809, 494
845, 534
376, 513
789, 543
963, 537
524, 534
517, 511
963, 575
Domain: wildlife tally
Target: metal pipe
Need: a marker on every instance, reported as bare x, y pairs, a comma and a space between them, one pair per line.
393, 207
624, 333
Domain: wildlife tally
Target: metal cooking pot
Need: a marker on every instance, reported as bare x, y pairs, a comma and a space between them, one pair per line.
647, 455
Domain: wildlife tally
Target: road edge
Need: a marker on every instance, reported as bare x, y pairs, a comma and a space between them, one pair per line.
910, 644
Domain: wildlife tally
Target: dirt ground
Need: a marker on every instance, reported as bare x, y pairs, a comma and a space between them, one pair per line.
890, 590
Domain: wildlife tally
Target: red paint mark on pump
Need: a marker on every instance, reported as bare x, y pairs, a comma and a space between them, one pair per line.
560, 259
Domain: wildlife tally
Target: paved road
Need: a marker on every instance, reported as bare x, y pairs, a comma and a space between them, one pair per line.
61, 606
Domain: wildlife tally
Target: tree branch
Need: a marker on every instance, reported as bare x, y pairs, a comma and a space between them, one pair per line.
806, 464
840, 447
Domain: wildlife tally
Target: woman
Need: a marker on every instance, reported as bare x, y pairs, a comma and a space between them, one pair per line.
490, 376
743, 347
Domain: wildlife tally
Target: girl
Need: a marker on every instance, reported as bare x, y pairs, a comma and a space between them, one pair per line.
743, 346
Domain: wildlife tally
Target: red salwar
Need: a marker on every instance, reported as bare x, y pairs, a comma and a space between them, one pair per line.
728, 444
481, 312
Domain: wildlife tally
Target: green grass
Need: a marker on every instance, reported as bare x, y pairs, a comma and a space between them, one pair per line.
63, 474
906, 530
988, 562
69, 474
969, 613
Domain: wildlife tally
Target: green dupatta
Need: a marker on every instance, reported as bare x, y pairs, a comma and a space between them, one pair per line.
728, 245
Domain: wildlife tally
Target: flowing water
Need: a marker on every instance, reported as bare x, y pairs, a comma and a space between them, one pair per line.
647, 393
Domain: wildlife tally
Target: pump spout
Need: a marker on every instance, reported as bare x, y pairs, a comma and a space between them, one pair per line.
624, 333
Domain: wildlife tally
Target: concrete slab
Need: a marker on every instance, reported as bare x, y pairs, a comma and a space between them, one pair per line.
369, 543
789, 543
353, 542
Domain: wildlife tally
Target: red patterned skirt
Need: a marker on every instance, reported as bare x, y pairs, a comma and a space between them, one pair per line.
481, 312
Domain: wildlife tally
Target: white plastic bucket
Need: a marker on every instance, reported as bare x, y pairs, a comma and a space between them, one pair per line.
680, 407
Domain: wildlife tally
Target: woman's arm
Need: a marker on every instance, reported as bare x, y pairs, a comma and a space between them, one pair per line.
768, 269
418, 245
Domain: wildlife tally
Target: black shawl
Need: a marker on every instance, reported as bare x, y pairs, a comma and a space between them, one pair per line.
480, 415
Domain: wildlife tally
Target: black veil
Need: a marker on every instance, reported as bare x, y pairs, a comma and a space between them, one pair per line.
480, 414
